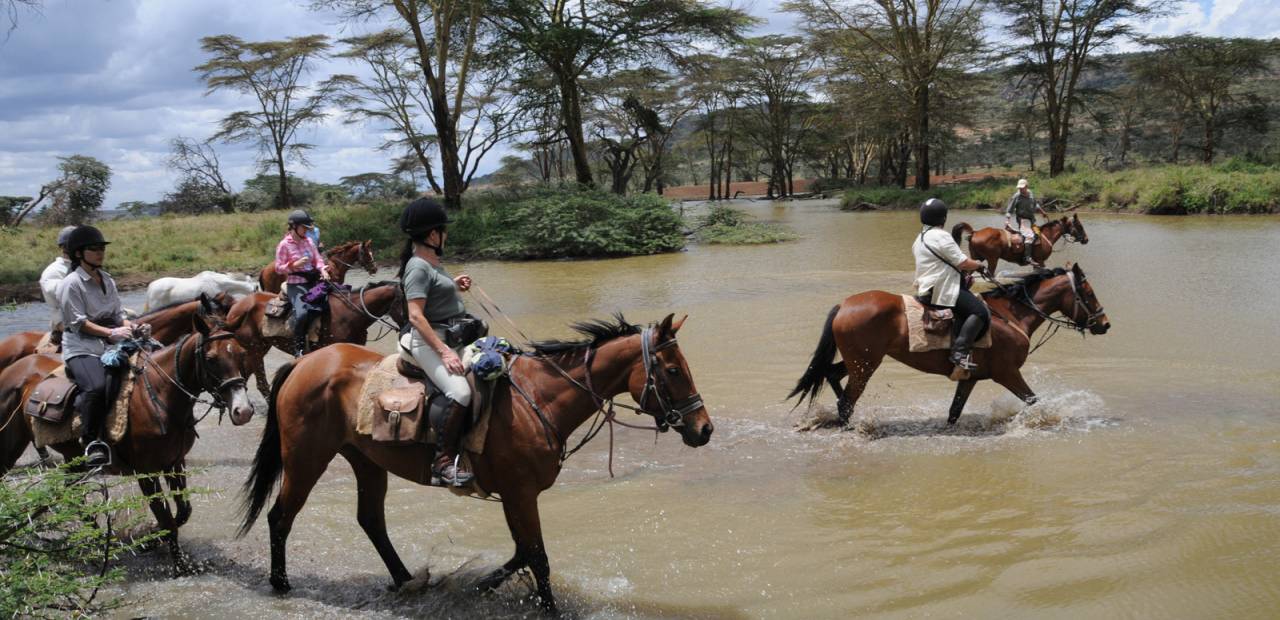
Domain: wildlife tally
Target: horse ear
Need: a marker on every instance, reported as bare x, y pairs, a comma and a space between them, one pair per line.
198, 321
675, 327
664, 328
1075, 268
205, 306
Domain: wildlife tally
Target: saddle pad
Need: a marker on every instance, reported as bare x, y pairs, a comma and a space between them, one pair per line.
919, 340
384, 376
271, 327
68, 430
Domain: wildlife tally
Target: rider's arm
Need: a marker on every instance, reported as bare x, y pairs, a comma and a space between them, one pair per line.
283, 265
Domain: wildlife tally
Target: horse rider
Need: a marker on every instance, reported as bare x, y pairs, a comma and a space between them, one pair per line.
940, 269
91, 317
50, 278
299, 259
1024, 206
433, 299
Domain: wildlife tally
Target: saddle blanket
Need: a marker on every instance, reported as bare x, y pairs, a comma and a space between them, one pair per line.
919, 340
272, 327
384, 376
49, 434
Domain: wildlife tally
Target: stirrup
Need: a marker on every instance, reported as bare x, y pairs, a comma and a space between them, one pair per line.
97, 454
453, 475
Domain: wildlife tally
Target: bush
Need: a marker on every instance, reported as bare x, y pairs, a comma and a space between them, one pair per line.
724, 225
56, 552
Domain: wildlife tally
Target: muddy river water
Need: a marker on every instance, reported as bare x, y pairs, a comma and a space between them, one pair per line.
1146, 483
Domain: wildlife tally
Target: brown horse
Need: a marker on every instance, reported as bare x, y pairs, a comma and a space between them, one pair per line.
868, 326
348, 320
161, 426
18, 346
340, 260
988, 244
313, 410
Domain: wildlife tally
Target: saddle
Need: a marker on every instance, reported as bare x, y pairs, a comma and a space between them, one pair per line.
1015, 243
930, 327
50, 406
275, 321
400, 406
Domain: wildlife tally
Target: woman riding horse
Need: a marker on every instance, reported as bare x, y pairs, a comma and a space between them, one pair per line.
91, 316
940, 268
433, 303
298, 258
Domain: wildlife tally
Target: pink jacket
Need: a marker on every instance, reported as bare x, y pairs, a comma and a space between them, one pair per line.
290, 249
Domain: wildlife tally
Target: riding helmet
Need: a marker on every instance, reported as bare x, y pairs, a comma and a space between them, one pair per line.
933, 212
64, 234
83, 236
423, 216
298, 216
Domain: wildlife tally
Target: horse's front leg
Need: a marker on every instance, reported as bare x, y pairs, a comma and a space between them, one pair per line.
260, 370
963, 389
521, 510
177, 481
1012, 380
150, 486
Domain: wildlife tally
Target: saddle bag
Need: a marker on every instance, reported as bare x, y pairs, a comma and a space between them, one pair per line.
937, 320
398, 414
463, 330
51, 400
277, 308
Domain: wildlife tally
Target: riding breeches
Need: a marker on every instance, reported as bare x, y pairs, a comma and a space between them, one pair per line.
455, 387
303, 312
968, 305
99, 386
1025, 227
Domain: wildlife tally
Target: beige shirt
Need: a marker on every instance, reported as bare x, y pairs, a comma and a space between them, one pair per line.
81, 299
932, 272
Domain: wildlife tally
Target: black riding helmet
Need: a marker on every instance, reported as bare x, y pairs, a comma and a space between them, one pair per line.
84, 236
933, 212
422, 216
298, 216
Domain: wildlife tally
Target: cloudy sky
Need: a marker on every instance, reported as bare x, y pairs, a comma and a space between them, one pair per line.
113, 79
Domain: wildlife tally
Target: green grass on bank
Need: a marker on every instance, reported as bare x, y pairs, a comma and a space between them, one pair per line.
1227, 188
535, 223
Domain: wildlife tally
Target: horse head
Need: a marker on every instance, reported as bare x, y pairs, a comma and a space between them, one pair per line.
663, 386
222, 365
1086, 312
1075, 229
366, 257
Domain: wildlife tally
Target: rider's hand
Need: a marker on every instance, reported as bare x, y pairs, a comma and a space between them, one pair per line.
299, 263
116, 334
324, 275
463, 281
452, 362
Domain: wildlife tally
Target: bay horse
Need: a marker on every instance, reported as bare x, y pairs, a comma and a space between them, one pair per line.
348, 320
340, 260
987, 244
313, 411
867, 326
167, 325
161, 427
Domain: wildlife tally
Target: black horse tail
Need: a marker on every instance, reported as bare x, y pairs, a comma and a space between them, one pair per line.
811, 381
959, 230
267, 463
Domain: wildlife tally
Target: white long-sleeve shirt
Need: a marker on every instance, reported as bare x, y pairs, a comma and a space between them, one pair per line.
49, 280
932, 272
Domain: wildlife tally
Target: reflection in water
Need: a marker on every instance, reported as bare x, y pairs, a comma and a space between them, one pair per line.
1146, 482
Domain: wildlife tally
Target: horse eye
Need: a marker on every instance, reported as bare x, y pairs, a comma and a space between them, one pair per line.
673, 371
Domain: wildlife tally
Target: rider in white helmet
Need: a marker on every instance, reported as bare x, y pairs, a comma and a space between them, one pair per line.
1024, 206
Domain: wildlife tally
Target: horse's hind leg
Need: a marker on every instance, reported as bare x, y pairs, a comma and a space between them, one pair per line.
150, 486
371, 485
300, 476
177, 481
860, 371
963, 389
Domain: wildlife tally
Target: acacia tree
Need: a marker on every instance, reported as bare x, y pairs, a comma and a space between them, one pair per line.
778, 73
715, 86
572, 38
1055, 42
1204, 74
271, 71
75, 196
916, 46
201, 173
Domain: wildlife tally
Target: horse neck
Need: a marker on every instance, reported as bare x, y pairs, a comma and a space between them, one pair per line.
177, 362
1047, 296
1052, 231
569, 406
165, 322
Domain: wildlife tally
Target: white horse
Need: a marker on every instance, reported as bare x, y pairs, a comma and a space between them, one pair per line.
166, 291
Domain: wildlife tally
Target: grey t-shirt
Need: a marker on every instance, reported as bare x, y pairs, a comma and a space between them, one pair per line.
82, 299
422, 280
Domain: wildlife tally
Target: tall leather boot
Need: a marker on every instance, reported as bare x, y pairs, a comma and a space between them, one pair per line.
448, 466
1028, 248
92, 419
300, 325
961, 346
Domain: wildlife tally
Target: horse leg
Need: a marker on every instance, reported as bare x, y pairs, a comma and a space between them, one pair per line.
1014, 382
963, 389
371, 493
260, 370
521, 510
177, 481
150, 486
860, 371
299, 478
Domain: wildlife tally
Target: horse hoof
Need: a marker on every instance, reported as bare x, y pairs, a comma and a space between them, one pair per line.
280, 583
951, 419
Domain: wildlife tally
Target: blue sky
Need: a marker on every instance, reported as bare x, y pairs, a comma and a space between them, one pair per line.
113, 79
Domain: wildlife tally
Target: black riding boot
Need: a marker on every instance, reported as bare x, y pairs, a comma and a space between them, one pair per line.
448, 466
1028, 248
92, 420
962, 344
300, 327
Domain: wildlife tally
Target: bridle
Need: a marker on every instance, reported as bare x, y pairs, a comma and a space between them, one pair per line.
1078, 305
360, 262
671, 412
208, 380
1077, 294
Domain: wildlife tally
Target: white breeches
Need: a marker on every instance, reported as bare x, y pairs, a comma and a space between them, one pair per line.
455, 387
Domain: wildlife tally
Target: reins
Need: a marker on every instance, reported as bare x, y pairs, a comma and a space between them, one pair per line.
202, 374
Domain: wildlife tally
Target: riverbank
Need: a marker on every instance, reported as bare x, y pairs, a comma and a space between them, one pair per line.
1233, 187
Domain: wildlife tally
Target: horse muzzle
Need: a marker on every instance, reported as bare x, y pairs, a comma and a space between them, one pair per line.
1100, 327
697, 431
241, 409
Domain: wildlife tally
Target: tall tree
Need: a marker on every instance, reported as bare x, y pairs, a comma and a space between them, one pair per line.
457, 75
778, 76
75, 196
272, 72
716, 86
570, 39
916, 45
198, 165
1205, 74
1055, 41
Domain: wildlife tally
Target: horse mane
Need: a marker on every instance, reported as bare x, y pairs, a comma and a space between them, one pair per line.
1027, 283
339, 248
597, 332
